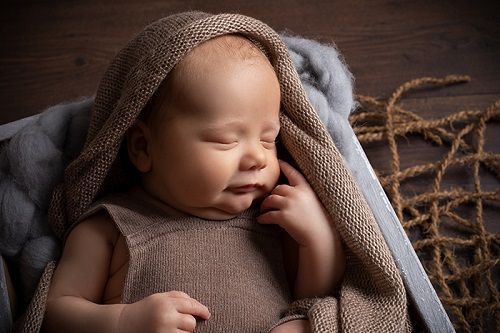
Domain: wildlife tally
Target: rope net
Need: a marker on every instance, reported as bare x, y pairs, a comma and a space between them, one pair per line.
449, 207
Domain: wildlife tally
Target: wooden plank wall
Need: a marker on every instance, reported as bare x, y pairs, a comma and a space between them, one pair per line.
52, 51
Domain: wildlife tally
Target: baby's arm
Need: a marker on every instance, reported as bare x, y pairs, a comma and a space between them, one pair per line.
297, 209
78, 285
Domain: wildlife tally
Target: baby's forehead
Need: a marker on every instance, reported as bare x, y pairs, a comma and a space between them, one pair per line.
213, 55
231, 45
194, 75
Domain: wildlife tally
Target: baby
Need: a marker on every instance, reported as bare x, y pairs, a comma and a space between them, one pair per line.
205, 152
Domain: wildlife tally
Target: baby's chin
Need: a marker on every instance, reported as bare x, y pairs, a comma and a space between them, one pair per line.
228, 209
228, 206
218, 213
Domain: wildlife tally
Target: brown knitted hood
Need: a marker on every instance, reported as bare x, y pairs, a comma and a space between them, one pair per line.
372, 295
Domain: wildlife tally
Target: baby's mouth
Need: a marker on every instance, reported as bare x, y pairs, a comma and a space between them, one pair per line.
245, 188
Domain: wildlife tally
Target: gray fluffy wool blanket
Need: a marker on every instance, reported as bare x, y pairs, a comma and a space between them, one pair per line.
33, 160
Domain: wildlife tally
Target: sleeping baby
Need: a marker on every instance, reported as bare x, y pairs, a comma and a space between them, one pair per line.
209, 237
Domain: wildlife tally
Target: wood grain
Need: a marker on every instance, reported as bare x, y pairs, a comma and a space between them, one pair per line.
57, 50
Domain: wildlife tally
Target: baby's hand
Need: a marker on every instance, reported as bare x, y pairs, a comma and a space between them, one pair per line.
293, 326
296, 208
172, 311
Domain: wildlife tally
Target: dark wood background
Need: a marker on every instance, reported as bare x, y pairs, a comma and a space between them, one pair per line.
54, 51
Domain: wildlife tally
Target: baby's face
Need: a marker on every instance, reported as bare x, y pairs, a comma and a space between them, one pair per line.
216, 154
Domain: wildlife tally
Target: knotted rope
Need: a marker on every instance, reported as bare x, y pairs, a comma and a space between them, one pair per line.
447, 225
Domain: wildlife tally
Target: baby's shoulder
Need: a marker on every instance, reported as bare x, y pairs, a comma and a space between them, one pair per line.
98, 227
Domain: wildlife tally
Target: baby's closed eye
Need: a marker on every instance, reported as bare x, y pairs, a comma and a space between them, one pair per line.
268, 144
224, 144
221, 141
269, 140
225, 141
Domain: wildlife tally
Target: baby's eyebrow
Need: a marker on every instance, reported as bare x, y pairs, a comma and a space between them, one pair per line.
240, 124
224, 126
272, 126
275, 125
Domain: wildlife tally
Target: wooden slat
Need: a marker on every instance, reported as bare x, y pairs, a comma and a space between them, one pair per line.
420, 290
5, 309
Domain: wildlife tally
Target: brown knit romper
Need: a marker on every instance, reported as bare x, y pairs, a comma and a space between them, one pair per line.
234, 267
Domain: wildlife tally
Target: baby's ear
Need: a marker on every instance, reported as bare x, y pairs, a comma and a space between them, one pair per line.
138, 140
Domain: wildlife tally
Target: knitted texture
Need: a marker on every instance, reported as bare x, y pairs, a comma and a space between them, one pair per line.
178, 253
33, 317
372, 294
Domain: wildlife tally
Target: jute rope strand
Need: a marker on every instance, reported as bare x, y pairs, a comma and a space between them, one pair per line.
461, 267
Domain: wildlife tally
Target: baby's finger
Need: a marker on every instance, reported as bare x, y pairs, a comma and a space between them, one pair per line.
293, 175
271, 217
186, 322
177, 294
273, 202
192, 307
283, 190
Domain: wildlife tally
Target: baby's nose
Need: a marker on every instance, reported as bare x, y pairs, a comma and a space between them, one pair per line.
255, 158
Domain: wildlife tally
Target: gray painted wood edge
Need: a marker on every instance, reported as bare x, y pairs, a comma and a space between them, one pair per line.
5, 310
418, 286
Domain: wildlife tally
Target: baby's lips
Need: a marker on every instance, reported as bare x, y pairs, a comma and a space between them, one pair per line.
246, 188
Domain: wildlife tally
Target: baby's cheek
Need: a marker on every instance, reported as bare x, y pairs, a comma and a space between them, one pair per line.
215, 176
274, 172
